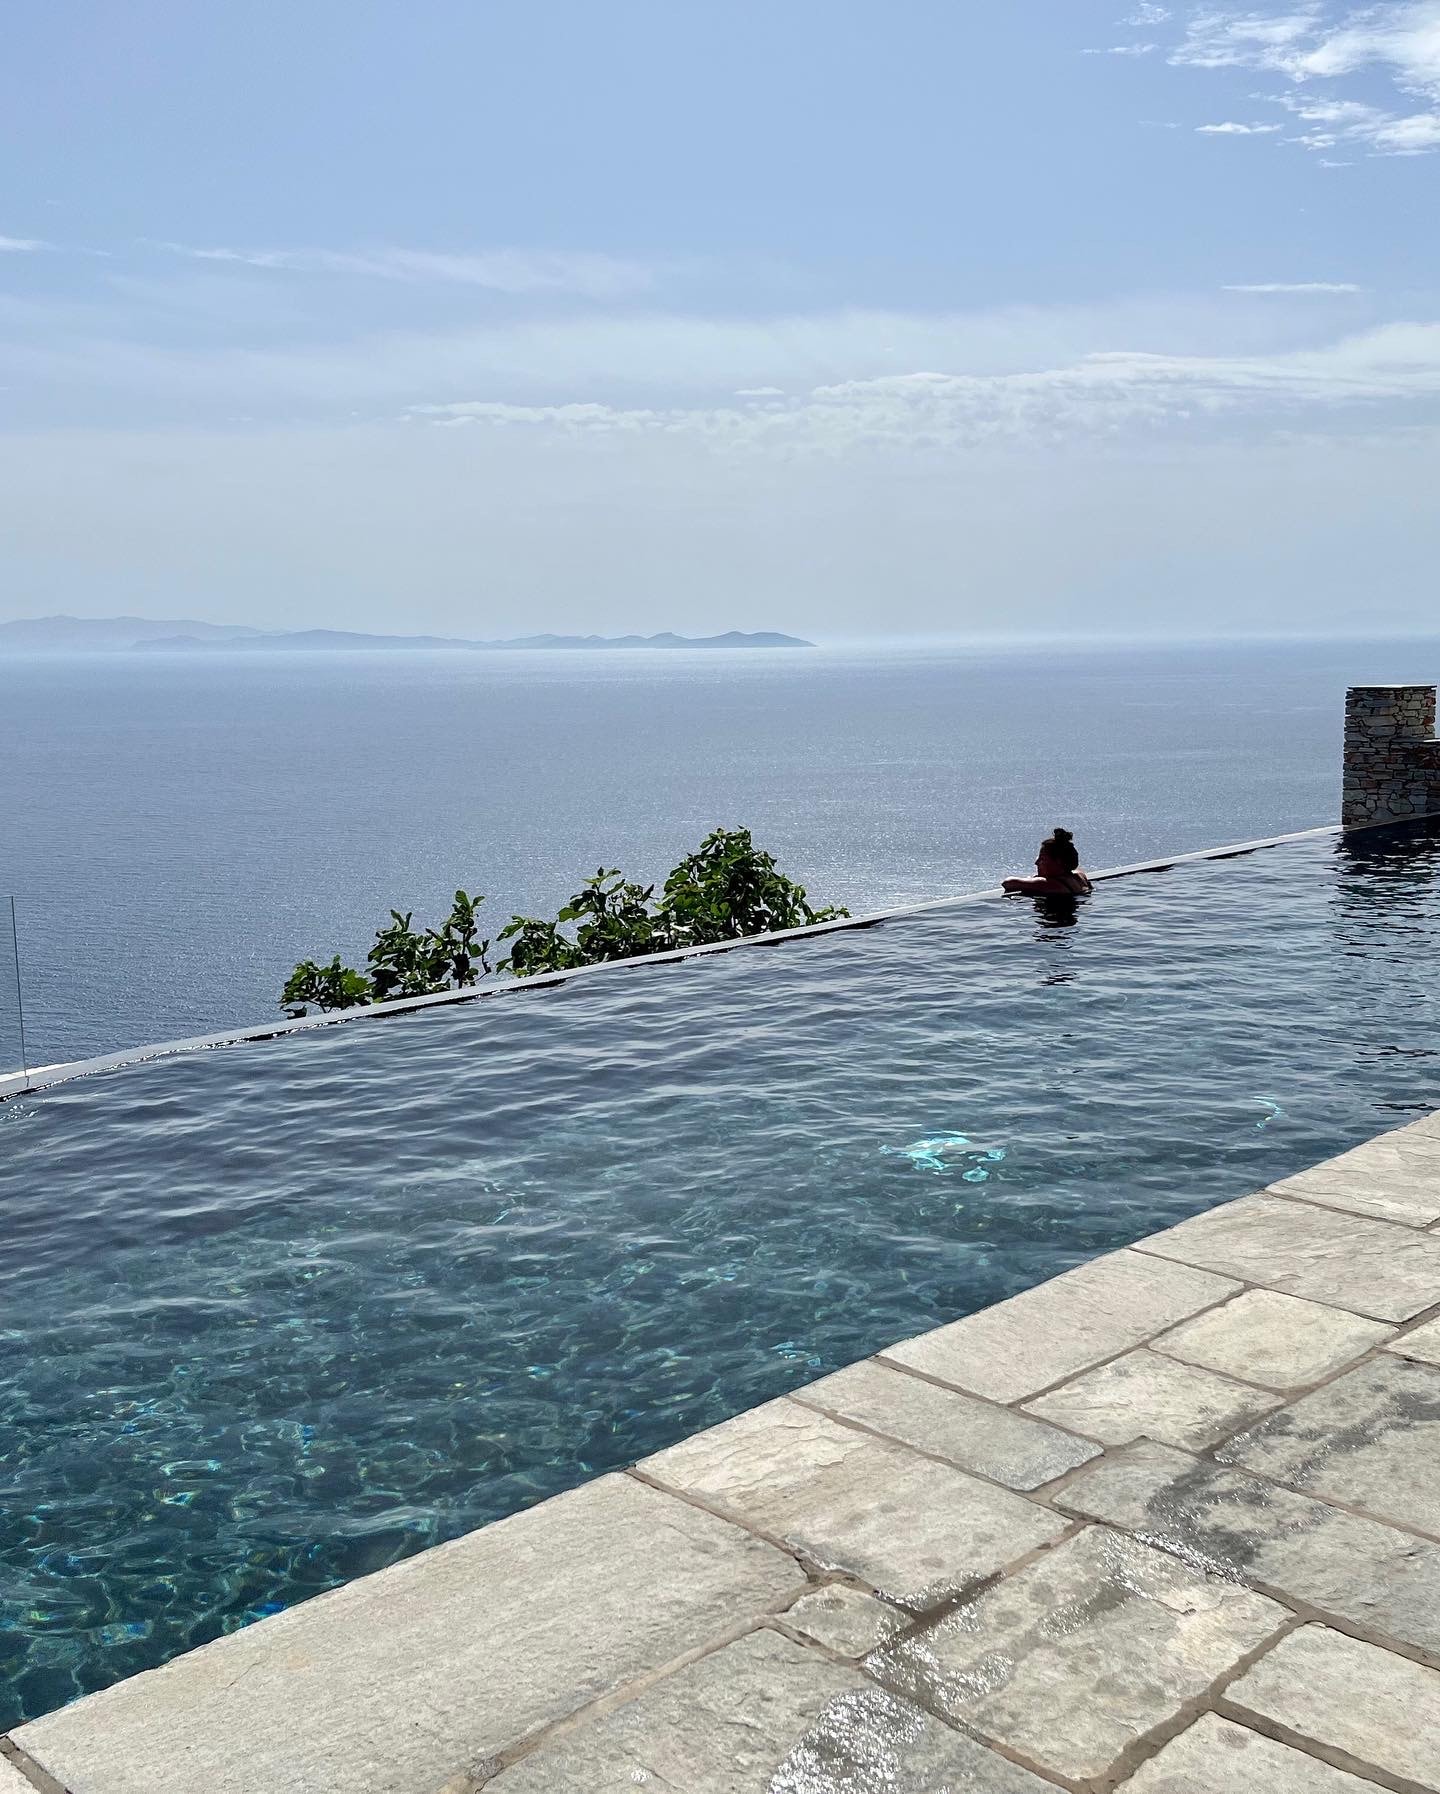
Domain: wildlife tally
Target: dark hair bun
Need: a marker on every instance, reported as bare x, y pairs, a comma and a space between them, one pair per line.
1063, 834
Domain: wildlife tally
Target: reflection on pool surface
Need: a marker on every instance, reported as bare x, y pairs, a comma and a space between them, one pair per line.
275, 1315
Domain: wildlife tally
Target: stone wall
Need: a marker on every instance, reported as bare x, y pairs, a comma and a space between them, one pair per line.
1392, 759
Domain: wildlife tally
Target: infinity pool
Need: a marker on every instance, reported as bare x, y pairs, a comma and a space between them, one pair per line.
275, 1315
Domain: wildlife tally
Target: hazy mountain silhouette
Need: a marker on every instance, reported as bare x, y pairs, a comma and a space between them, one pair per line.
48, 634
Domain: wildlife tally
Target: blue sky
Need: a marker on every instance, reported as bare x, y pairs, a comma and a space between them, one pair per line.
849, 318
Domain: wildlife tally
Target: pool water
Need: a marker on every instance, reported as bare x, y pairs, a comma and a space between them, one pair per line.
273, 1316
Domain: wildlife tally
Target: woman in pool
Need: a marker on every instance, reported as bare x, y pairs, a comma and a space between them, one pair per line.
1058, 871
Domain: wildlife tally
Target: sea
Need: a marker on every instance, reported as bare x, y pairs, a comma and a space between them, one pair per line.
177, 830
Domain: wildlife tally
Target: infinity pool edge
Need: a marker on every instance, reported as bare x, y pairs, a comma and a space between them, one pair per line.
40, 1078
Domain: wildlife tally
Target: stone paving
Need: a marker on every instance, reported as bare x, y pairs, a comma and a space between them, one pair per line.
1169, 1523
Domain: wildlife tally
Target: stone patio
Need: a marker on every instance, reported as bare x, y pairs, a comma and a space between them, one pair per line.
1169, 1523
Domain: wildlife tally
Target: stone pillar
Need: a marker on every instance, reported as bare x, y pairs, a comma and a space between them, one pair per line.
1392, 759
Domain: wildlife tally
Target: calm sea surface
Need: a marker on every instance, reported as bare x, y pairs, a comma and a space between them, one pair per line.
178, 830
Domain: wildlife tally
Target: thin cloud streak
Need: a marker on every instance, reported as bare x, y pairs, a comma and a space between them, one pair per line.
94, 361
1294, 286
514, 271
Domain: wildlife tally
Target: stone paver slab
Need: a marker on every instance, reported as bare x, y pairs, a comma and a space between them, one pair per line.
1145, 1396
398, 1681
1421, 1343
1216, 1756
1392, 1177
1383, 1711
1070, 1659
1289, 1544
1348, 1261
1416, 1140
11, 1780
845, 1620
764, 1716
1370, 1439
1046, 1334
975, 1435
913, 1529
1407, 1201
1280, 1341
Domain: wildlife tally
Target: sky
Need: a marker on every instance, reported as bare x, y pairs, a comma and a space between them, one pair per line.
848, 317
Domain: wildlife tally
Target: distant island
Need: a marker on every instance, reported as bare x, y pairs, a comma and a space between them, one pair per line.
44, 635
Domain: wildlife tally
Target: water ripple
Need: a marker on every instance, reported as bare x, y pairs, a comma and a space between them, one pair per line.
275, 1316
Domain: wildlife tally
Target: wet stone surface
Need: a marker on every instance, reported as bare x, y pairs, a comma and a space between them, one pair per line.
871, 1740
1144, 1395
1216, 1756
911, 1528
1382, 1710
1070, 1659
1045, 1335
1239, 1525
1279, 1341
1370, 1439
845, 1620
972, 1434
1347, 1261
763, 1716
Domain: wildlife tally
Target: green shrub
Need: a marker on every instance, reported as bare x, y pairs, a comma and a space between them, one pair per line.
615, 922
324, 987
726, 889
729, 888
405, 964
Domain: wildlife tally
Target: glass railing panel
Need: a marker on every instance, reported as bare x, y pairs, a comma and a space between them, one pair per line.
13, 1049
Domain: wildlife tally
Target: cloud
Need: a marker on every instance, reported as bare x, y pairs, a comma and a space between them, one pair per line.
1413, 136
1316, 44
1392, 372
830, 383
516, 271
1330, 122
1217, 39
1147, 14
122, 357
1231, 128
20, 245
1404, 40
1295, 286
1123, 50
605, 461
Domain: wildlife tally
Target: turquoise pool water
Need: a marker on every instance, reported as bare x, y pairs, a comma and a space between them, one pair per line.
273, 1316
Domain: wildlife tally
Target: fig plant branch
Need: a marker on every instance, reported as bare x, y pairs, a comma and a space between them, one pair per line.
726, 889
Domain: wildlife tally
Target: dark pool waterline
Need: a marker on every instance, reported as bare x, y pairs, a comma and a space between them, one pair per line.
276, 1315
